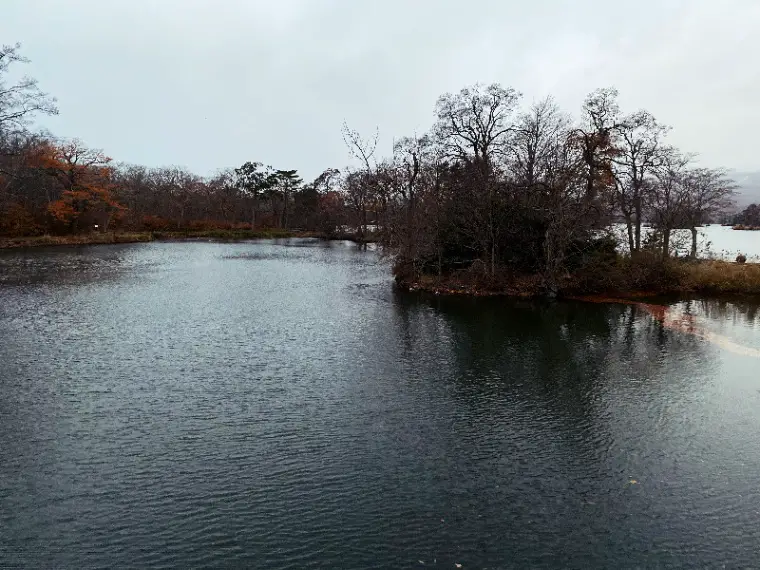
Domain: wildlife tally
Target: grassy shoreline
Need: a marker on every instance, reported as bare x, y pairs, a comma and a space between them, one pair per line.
140, 237
79, 239
708, 278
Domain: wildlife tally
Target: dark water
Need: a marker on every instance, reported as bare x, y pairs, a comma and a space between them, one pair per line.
281, 406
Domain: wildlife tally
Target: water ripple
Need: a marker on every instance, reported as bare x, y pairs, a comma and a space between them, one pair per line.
163, 405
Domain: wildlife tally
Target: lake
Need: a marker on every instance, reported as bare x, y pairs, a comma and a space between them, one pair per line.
282, 405
713, 242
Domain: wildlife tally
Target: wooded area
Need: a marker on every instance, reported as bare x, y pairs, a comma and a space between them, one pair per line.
57, 186
494, 189
749, 217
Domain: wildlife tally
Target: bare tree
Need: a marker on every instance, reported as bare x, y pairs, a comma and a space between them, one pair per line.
476, 123
708, 193
538, 133
667, 196
362, 185
569, 211
21, 100
687, 197
361, 148
639, 151
476, 126
406, 177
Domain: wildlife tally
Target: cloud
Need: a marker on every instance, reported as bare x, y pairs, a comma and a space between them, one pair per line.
210, 84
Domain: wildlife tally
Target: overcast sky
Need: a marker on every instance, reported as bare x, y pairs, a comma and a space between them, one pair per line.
212, 83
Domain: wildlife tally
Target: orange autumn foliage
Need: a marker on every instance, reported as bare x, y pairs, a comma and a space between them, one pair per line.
86, 177
17, 220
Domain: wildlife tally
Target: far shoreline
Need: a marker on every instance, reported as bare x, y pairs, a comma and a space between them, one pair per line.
705, 278
106, 238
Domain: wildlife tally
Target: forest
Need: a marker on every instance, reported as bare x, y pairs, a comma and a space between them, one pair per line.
60, 187
497, 194
748, 218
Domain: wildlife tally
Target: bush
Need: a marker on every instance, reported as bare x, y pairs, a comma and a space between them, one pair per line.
645, 271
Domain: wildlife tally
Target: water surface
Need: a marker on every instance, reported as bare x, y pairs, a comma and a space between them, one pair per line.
280, 405
713, 242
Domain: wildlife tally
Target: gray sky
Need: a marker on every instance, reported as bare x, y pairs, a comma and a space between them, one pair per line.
213, 83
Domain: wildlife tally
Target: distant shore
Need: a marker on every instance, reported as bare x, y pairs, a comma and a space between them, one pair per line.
138, 237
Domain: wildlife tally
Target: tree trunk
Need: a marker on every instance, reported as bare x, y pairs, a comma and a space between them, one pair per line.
693, 242
286, 199
254, 209
665, 243
629, 227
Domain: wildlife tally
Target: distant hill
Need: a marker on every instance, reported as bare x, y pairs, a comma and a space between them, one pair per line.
749, 188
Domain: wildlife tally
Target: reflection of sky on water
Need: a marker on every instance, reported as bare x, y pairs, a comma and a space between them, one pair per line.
159, 400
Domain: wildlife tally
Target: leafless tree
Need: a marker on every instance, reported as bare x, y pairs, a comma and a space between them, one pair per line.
569, 211
708, 193
639, 151
684, 196
406, 178
19, 101
476, 123
362, 186
667, 196
475, 126
538, 134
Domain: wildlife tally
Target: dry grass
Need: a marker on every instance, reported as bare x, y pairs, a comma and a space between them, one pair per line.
133, 237
722, 277
645, 276
234, 234
475, 284
78, 239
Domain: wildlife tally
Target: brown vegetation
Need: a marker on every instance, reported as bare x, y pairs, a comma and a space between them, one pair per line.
95, 238
721, 277
62, 187
76, 239
643, 276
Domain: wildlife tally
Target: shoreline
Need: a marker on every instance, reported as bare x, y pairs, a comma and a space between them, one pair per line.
107, 238
705, 278
709, 278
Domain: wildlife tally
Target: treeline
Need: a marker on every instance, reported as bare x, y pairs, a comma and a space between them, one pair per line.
749, 217
58, 187
62, 186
